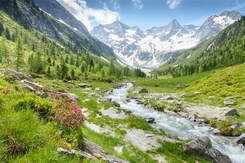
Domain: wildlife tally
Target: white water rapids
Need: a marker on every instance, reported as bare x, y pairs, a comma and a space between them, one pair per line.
178, 126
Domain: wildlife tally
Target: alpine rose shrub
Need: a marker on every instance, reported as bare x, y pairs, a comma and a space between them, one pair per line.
67, 113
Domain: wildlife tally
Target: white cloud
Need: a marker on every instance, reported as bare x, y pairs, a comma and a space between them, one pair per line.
138, 4
173, 3
238, 6
88, 16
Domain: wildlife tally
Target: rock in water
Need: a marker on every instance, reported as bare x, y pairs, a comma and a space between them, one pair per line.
217, 156
150, 120
241, 139
198, 146
203, 147
144, 91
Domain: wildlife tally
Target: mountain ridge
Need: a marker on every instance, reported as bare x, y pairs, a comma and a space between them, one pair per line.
157, 45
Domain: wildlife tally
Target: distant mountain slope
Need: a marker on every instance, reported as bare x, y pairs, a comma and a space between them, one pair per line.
56, 10
29, 15
159, 44
225, 49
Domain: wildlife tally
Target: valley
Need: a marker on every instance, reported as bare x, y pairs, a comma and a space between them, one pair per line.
69, 94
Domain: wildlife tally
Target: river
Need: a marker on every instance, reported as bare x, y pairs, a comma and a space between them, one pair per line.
178, 126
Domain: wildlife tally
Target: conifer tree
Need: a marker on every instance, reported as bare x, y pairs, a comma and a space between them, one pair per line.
18, 55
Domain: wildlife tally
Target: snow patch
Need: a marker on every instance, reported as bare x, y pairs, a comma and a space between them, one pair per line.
104, 58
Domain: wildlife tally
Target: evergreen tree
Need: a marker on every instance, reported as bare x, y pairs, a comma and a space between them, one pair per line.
111, 68
73, 74
1, 29
18, 55
63, 71
7, 33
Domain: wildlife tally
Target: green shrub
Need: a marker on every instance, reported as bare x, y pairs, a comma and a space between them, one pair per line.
42, 106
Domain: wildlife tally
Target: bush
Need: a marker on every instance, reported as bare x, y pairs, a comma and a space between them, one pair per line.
69, 118
42, 106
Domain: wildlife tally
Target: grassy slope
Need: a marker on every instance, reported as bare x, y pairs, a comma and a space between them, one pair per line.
169, 84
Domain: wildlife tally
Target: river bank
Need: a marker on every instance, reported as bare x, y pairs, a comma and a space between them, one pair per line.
174, 124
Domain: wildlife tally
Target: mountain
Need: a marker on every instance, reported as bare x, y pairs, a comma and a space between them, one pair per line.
215, 24
155, 46
56, 10
30, 16
223, 50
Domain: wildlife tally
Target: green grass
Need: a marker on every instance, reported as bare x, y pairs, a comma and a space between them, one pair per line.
228, 82
130, 153
25, 136
169, 85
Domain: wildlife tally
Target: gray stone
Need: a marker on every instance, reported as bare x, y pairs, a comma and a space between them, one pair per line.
211, 97
203, 147
198, 146
27, 87
241, 139
97, 89
235, 125
242, 106
73, 97
217, 156
169, 98
19, 75
44, 95
36, 86
230, 112
229, 102
84, 85
184, 95
150, 120
143, 91
196, 93
70, 82
217, 132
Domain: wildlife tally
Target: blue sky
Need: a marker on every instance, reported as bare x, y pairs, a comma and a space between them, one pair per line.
148, 13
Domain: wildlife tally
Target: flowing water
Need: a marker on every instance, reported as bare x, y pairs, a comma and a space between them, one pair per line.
179, 126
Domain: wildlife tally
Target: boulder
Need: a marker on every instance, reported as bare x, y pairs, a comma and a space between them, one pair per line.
198, 146
128, 100
169, 98
27, 87
73, 97
36, 86
210, 97
241, 139
229, 102
44, 95
150, 120
235, 125
216, 132
19, 75
139, 102
230, 112
116, 104
70, 82
242, 106
196, 93
84, 85
217, 156
203, 147
97, 89
143, 91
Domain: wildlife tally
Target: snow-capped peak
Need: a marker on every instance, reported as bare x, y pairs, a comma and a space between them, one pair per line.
157, 45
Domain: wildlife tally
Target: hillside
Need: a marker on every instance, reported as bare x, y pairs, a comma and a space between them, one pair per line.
27, 14
225, 49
